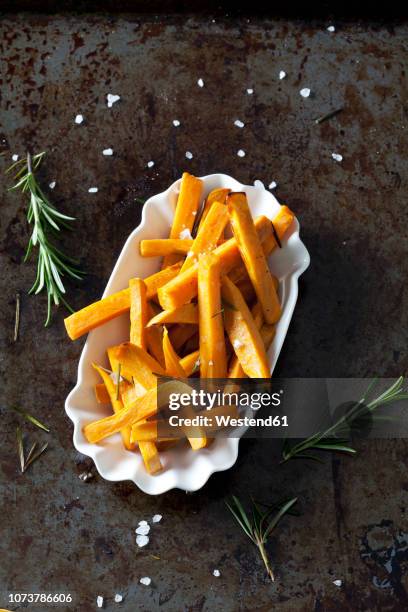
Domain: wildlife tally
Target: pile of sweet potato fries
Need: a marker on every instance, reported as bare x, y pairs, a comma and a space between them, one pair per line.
210, 311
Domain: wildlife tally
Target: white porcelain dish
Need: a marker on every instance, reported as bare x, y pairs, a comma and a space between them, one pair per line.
111, 459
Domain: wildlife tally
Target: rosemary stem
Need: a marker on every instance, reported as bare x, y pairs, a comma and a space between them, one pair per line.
261, 547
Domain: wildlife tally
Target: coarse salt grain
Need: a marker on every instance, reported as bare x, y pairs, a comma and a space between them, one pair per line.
337, 583
118, 598
93, 190
211, 363
241, 153
143, 530
150, 164
258, 184
282, 74
143, 523
107, 151
189, 155
176, 122
216, 573
157, 518
142, 540
337, 157
250, 92
331, 29
111, 99
185, 234
237, 344
52, 184
239, 123
273, 185
79, 119
99, 601
14, 157
305, 92
200, 83
145, 580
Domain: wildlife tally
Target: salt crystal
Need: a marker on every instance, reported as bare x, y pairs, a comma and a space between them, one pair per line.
150, 164
93, 190
14, 157
250, 92
239, 123
211, 363
185, 234
157, 518
237, 344
200, 83
273, 185
337, 157
305, 92
52, 184
258, 184
145, 580
99, 601
216, 573
142, 540
143, 523
241, 153
282, 74
176, 122
331, 29
111, 99
189, 155
143, 530
107, 152
79, 119
118, 598
337, 583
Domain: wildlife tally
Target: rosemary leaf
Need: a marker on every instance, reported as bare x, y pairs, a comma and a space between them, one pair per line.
30, 418
17, 318
20, 448
36, 456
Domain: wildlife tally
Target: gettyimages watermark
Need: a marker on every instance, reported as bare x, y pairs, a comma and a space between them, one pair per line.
279, 408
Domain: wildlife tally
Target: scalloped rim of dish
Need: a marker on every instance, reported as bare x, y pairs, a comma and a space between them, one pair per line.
223, 453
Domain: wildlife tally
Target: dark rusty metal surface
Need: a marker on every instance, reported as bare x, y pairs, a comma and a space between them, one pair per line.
59, 533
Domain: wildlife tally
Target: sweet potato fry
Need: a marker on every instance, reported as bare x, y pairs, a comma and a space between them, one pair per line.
172, 360
142, 408
108, 308
191, 189
101, 394
117, 404
154, 335
190, 363
253, 255
137, 364
235, 368
213, 358
243, 333
182, 288
188, 313
151, 457
138, 312
216, 195
208, 234
165, 246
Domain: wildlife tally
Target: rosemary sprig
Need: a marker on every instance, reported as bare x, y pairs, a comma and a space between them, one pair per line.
328, 115
52, 264
259, 526
17, 318
30, 418
333, 439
